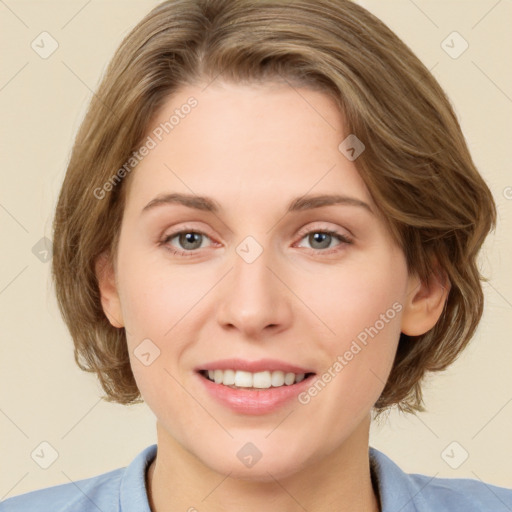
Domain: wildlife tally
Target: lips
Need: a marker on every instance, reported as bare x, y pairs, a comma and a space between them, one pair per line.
250, 401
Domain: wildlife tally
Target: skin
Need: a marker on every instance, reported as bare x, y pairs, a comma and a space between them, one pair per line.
254, 148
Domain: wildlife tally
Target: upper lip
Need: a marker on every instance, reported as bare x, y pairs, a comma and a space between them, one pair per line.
253, 366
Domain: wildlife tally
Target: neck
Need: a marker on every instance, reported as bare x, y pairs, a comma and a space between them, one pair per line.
177, 480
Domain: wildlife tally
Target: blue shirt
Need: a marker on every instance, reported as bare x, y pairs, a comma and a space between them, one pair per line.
124, 490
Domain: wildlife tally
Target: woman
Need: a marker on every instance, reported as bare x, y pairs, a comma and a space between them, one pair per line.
268, 230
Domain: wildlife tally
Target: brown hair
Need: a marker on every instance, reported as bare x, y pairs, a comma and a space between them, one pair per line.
416, 164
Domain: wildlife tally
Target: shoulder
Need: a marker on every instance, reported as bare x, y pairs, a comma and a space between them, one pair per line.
463, 494
120, 490
99, 492
422, 493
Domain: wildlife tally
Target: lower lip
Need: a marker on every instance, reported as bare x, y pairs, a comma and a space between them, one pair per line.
252, 401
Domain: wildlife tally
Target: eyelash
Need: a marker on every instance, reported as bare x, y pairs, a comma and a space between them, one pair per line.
344, 239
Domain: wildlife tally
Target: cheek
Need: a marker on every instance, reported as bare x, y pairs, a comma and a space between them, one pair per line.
362, 307
366, 292
163, 303
156, 295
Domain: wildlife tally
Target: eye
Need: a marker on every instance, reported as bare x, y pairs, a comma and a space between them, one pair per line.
321, 239
188, 239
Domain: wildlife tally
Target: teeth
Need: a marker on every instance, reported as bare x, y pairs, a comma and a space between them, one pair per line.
277, 379
260, 380
228, 377
242, 379
217, 376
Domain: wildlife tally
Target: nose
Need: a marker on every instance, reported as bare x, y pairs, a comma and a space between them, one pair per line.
253, 298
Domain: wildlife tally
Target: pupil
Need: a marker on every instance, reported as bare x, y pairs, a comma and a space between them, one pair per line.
319, 237
189, 238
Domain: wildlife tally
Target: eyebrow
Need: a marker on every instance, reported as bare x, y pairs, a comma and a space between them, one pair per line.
298, 204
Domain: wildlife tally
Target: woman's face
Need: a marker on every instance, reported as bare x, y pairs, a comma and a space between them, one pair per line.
265, 273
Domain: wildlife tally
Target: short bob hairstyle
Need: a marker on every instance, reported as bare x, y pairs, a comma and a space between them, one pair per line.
416, 164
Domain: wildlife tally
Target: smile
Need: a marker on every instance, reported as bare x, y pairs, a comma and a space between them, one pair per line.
236, 379
253, 393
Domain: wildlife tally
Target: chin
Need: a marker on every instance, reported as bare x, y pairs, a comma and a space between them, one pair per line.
243, 461
262, 471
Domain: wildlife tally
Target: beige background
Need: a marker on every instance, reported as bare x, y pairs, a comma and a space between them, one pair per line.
45, 397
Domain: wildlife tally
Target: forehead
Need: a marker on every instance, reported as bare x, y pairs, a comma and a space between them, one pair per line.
242, 141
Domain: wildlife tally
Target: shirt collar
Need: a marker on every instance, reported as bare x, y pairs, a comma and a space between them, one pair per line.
133, 496
394, 487
392, 484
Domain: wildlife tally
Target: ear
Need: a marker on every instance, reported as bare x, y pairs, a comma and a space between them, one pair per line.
425, 302
108, 289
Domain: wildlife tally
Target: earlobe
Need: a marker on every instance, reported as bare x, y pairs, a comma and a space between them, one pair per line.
424, 303
110, 301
